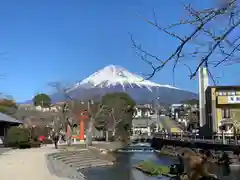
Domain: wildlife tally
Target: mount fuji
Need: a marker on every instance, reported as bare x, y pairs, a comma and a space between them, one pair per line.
118, 79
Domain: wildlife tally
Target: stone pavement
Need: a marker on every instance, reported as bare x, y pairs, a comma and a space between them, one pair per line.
78, 159
3, 150
27, 164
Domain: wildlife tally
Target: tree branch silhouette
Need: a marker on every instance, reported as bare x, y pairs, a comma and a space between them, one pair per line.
212, 36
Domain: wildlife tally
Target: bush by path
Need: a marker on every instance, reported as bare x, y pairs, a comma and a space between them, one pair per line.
20, 137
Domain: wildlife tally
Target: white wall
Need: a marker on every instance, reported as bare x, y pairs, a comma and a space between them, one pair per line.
140, 113
143, 130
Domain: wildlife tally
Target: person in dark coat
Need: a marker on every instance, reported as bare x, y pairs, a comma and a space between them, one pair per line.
55, 139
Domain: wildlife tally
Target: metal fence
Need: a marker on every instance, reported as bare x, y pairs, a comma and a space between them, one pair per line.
215, 139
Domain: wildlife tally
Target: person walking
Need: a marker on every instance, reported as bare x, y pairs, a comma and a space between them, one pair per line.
55, 139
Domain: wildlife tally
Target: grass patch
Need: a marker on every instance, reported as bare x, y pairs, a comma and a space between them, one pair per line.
153, 169
162, 152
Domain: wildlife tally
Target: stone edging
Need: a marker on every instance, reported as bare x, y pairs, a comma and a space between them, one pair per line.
59, 169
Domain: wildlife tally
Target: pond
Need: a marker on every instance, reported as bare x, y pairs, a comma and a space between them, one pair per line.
122, 169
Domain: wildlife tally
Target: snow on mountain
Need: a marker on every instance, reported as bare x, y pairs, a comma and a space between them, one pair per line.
115, 75
117, 79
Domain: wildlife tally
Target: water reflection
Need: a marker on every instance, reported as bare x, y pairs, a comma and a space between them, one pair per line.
123, 170
119, 171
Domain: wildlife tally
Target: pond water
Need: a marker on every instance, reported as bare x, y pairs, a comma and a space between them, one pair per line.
122, 169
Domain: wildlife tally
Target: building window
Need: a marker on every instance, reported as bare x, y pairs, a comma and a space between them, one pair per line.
227, 93
231, 93
226, 113
222, 93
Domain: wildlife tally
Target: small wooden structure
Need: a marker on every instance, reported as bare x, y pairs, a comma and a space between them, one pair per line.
5, 123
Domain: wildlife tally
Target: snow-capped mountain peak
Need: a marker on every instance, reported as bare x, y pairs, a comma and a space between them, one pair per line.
116, 75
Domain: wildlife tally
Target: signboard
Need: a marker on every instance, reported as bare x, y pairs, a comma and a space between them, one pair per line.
234, 99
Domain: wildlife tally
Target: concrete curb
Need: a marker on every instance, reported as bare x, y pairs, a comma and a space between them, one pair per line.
60, 163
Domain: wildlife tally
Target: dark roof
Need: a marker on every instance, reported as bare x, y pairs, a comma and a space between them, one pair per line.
9, 119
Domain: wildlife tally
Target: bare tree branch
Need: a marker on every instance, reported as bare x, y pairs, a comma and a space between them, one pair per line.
212, 36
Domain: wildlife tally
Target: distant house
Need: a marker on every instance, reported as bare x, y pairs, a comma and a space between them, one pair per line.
141, 126
53, 108
144, 126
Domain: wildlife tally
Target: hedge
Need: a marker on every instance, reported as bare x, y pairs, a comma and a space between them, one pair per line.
20, 137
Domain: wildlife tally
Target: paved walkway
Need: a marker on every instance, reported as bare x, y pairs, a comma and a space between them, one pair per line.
169, 124
27, 164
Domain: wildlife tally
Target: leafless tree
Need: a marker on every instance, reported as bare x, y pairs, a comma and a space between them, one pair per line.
72, 108
94, 110
65, 110
32, 116
213, 40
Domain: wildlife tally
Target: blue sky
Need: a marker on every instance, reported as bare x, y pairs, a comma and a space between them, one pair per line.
67, 40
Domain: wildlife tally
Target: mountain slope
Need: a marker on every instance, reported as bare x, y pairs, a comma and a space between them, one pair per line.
116, 75
117, 79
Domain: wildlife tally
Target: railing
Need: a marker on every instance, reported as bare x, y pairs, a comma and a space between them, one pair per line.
216, 139
140, 137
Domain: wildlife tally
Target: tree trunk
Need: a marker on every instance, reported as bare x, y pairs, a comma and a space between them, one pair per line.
89, 132
107, 137
69, 136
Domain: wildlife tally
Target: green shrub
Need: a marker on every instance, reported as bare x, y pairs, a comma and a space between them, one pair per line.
18, 137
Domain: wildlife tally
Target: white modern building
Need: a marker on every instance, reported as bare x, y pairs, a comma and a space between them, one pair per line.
143, 111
